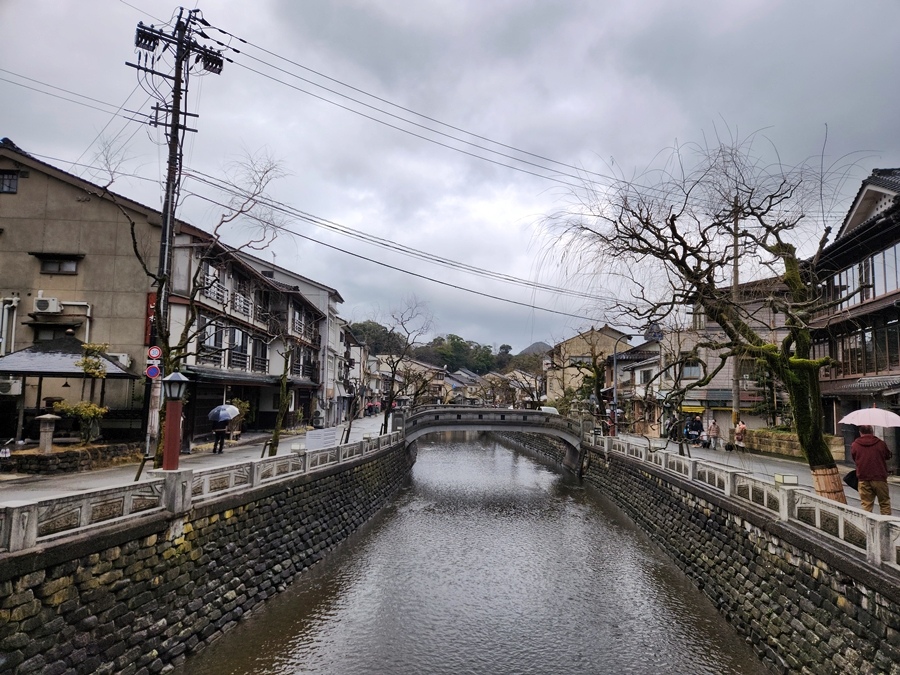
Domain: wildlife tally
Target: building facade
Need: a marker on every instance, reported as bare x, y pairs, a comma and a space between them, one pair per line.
72, 258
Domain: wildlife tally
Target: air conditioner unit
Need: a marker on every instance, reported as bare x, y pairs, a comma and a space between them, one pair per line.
47, 305
123, 359
11, 387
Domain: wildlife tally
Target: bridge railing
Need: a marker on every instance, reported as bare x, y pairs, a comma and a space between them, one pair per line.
875, 536
24, 524
439, 415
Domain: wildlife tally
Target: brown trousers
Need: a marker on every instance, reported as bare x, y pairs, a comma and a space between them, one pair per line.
869, 490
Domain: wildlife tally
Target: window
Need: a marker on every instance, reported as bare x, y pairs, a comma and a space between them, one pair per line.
698, 318
9, 182
210, 350
59, 266
690, 369
646, 376
45, 333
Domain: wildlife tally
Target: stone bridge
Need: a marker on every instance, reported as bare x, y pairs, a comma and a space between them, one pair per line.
437, 419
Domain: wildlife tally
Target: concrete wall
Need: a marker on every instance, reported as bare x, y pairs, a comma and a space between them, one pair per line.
139, 599
806, 605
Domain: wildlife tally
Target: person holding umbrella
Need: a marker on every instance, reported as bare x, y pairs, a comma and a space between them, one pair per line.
220, 416
870, 454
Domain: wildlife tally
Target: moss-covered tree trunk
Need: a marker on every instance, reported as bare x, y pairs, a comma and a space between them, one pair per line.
284, 403
800, 373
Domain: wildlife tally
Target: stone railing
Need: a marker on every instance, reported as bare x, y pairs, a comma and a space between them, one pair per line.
875, 536
24, 524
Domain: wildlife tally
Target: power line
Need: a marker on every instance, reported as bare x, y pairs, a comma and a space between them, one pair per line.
377, 241
408, 272
81, 103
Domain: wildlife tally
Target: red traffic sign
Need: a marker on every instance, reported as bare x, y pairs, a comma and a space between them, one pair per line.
154, 353
153, 372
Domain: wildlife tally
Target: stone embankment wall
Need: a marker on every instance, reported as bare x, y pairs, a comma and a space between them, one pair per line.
547, 446
140, 598
71, 460
806, 606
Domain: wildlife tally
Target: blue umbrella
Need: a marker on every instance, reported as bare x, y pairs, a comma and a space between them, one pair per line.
223, 413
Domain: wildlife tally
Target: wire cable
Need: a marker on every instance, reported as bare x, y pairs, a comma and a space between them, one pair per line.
378, 241
408, 272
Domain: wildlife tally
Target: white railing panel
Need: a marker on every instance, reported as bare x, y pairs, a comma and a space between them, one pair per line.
844, 523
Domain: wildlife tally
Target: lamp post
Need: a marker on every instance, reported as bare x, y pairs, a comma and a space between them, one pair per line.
615, 378
174, 386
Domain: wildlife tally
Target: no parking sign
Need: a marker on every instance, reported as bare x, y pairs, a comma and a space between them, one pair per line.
153, 356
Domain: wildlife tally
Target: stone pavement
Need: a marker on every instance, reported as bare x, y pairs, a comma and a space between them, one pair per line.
765, 467
14, 487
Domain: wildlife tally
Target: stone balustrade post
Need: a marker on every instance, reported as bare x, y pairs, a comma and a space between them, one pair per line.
256, 469
878, 545
48, 425
178, 488
692, 469
22, 526
787, 498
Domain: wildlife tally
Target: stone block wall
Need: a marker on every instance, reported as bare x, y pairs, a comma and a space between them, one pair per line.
70, 460
786, 444
139, 598
547, 446
805, 605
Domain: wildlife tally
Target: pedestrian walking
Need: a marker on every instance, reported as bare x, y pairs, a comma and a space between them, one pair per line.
672, 428
740, 430
870, 454
220, 429
712, 433
695, 430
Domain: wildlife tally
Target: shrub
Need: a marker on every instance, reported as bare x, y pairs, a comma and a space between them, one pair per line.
85, 412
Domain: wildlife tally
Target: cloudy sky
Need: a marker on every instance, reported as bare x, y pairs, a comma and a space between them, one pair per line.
452, 127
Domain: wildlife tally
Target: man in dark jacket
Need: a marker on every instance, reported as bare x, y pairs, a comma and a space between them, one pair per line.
871, 455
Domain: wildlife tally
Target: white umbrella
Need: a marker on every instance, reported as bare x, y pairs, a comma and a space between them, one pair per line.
226, 412
873, 417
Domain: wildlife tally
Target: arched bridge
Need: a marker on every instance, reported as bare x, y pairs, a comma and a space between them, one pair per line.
437, 419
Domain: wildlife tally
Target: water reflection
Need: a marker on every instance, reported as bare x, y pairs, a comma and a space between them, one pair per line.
488, 562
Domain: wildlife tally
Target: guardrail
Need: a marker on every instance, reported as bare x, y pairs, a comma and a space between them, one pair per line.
871, 534
24, 524
447, 415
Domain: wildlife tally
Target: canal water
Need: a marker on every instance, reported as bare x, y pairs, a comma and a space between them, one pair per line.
487, 562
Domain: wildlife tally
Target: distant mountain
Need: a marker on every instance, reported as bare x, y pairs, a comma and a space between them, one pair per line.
536, 348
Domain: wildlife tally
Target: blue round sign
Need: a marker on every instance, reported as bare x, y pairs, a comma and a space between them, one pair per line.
152, 372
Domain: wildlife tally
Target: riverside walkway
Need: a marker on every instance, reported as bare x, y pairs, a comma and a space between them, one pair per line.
22, 487
766, 467
19, 487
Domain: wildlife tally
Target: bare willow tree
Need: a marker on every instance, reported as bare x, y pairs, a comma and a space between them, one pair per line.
676, 238
408, 326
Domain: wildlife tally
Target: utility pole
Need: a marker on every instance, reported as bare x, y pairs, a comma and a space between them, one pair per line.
181, 42
735, 296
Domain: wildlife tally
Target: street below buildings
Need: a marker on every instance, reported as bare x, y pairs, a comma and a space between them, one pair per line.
765, 468
19, 487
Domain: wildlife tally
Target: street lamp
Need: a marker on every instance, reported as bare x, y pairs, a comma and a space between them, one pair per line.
174, 387
615, 375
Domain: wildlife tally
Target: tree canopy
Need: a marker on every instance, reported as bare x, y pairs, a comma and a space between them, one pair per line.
675, 241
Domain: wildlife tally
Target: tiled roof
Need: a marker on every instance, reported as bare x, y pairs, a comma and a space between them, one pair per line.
886, 178
55, 358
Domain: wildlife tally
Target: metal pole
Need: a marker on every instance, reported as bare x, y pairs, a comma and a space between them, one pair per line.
615, 377
735, 296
